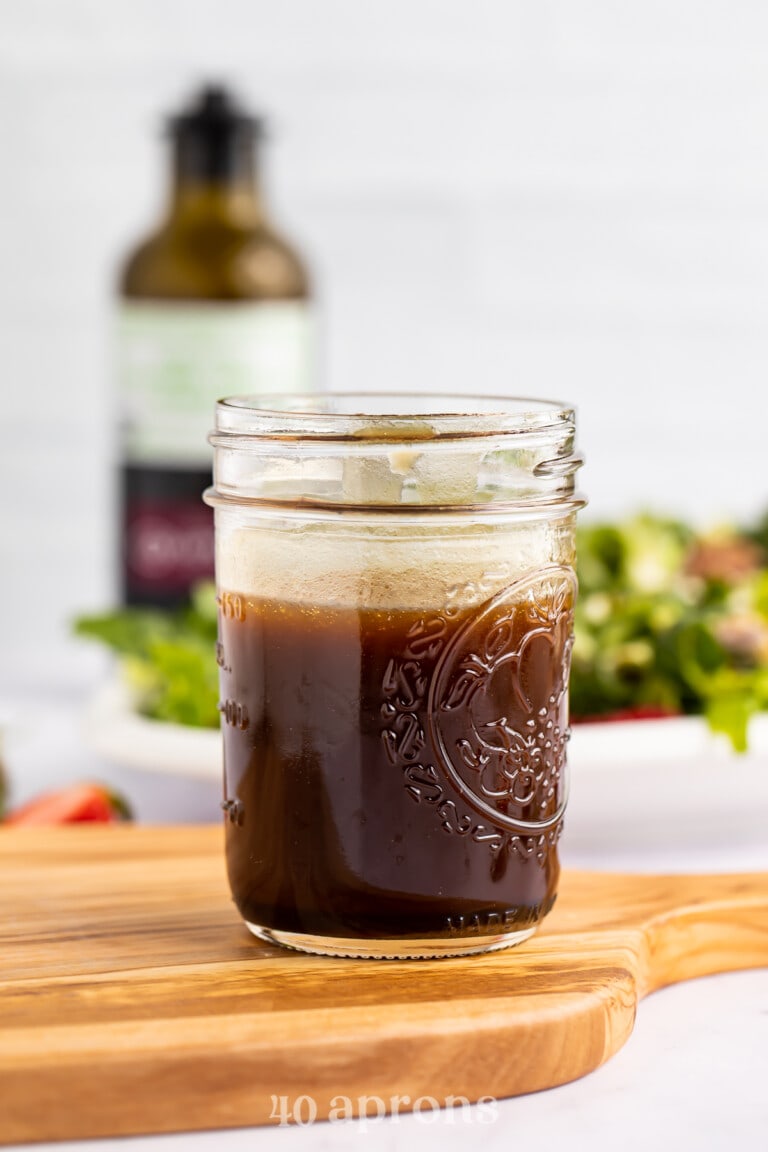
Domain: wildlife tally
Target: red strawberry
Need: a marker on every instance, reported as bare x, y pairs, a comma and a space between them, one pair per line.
78, 803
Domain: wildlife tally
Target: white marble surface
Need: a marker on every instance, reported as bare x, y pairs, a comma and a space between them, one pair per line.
692, 1075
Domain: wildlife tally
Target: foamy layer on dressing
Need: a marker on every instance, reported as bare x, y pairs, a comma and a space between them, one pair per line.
338, 567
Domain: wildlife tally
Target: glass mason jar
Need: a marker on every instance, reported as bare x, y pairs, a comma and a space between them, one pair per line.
396, 585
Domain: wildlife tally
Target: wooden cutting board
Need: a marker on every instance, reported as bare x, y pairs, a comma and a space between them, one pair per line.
132, 999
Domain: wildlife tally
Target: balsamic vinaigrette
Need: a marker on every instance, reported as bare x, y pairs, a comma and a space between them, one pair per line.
396, 774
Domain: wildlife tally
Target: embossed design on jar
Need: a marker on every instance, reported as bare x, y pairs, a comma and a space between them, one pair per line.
405, 686
497, 709
443, 687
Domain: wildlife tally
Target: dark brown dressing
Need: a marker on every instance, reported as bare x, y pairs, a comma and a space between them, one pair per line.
393, 774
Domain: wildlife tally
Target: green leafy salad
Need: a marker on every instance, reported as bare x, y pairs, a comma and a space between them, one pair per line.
168, 658
669, 621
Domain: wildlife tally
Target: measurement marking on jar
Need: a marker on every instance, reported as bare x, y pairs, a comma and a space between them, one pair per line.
235, 811
232, 606
234, 714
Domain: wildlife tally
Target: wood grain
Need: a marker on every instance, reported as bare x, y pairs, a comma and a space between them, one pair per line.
132, 999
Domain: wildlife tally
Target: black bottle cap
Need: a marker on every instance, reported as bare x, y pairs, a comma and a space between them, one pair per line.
214, 139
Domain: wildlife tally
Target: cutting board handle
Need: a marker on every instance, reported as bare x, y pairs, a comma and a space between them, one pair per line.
687, 926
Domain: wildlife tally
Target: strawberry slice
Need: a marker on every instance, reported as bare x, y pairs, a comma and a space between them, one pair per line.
78, 803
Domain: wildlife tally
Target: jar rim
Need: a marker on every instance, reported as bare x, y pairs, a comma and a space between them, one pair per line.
394, 451
357, 416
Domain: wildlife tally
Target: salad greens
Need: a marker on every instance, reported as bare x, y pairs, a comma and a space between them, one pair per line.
168, 658
671, 621
668, 621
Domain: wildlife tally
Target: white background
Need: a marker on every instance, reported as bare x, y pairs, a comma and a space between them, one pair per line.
557, 197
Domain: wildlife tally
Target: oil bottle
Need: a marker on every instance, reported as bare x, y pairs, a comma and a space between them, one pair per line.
214, 302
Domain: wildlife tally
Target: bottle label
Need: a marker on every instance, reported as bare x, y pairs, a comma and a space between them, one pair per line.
175, 360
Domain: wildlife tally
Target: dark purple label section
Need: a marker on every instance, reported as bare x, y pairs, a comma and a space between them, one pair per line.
168, 543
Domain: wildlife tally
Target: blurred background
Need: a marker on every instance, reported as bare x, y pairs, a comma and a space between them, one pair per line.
563, 198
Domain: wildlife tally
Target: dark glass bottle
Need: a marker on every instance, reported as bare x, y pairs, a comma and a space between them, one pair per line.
213, 303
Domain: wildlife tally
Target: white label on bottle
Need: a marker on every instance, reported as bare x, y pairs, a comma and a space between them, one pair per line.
175, 360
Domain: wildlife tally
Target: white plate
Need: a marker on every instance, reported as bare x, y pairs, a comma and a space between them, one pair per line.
668, 792
115, 731
675, 738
